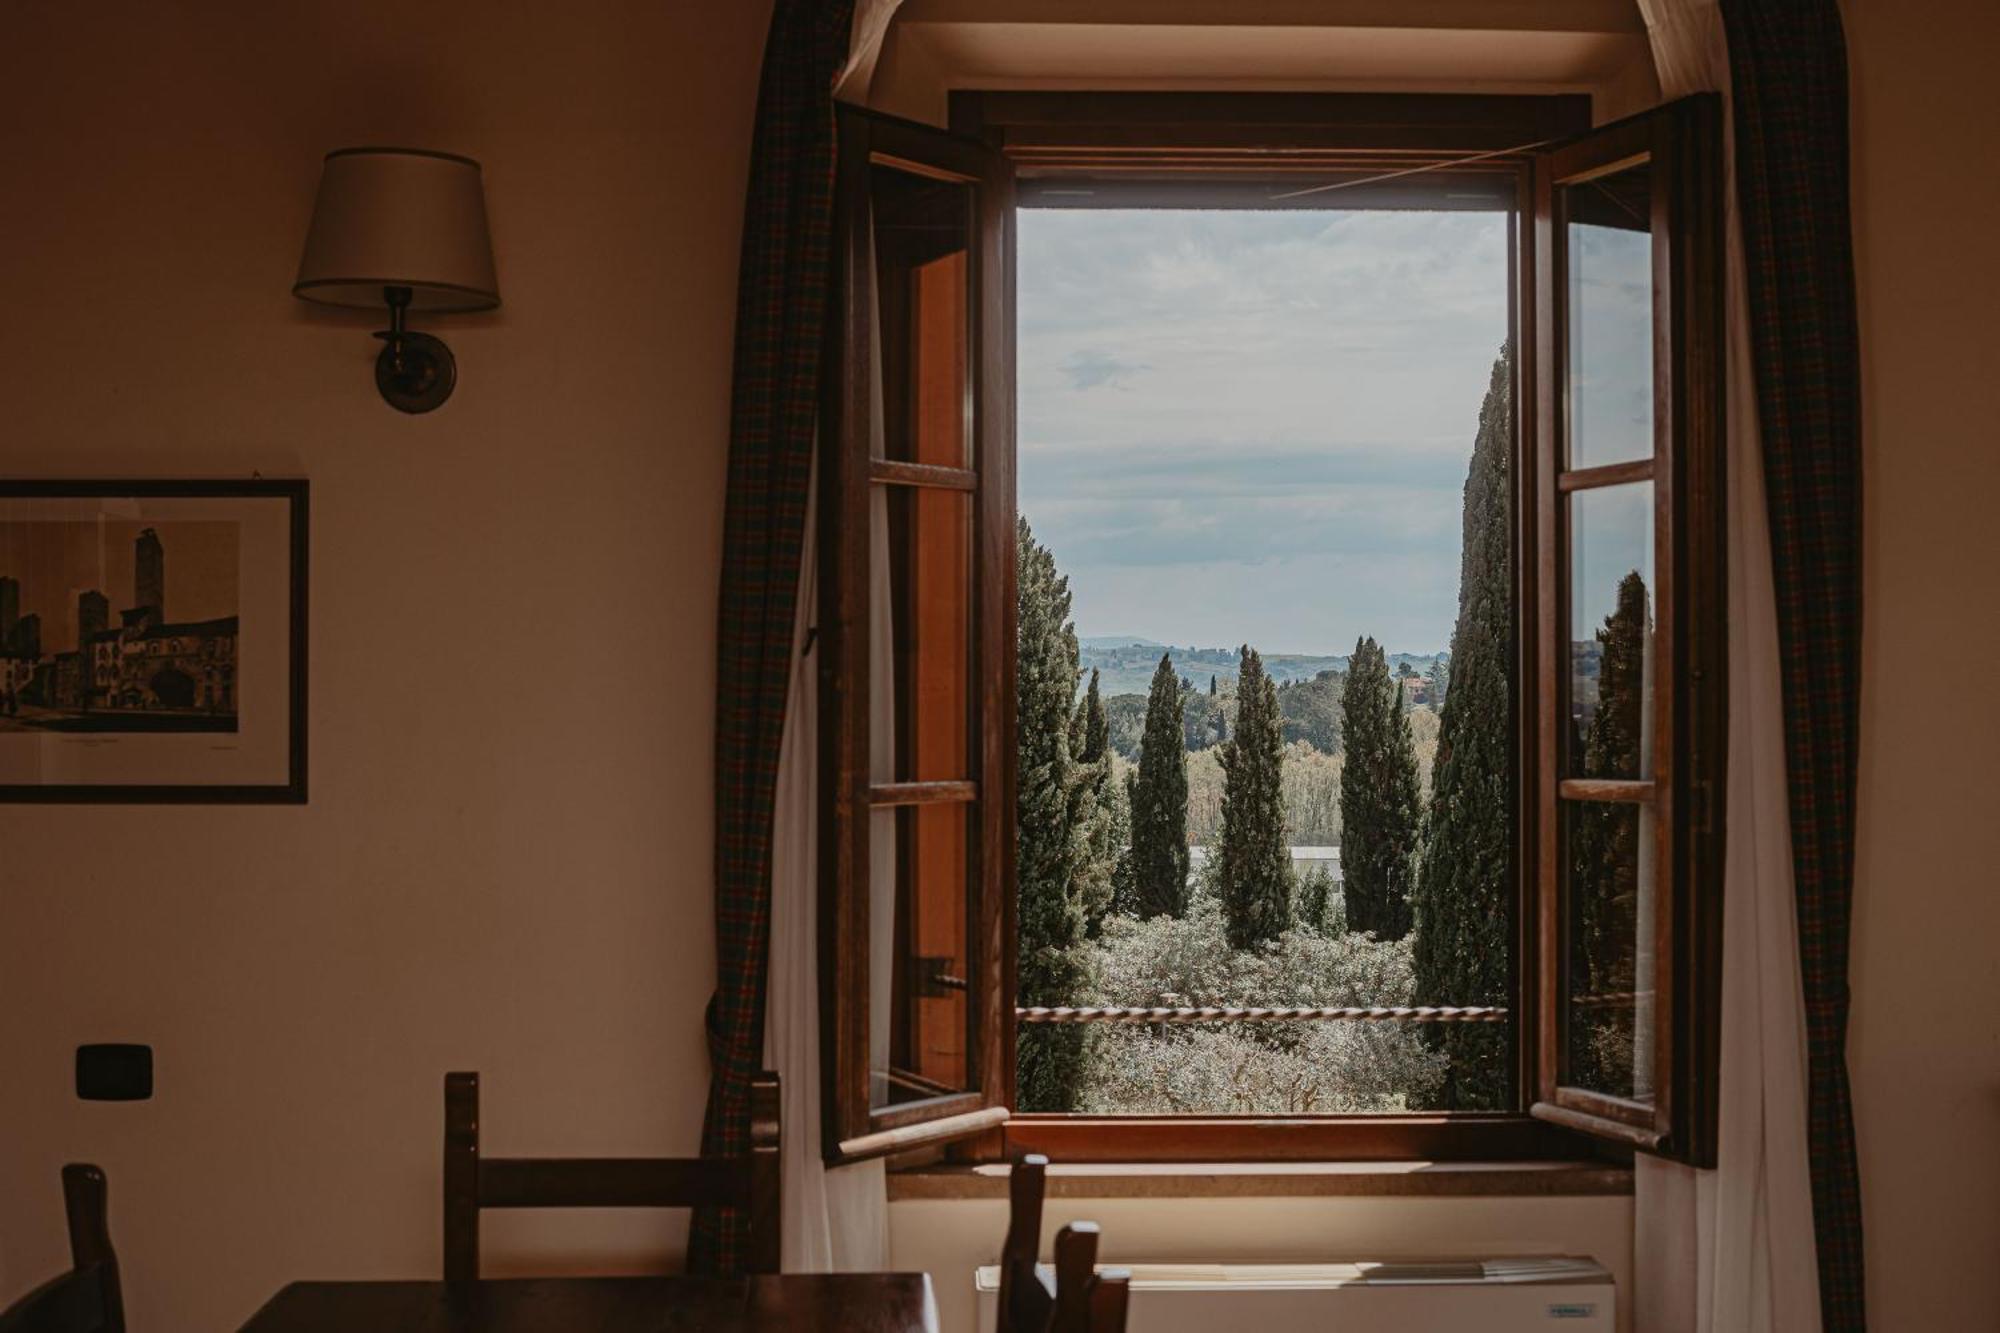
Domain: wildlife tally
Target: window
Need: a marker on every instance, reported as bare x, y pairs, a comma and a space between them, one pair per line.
1633, 626
916, 627
1594, 1006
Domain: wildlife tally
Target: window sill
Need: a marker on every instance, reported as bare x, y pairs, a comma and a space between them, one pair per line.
1230, 1180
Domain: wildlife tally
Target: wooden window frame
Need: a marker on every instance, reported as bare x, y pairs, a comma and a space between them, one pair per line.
849, 473
1686, 791
1212, 149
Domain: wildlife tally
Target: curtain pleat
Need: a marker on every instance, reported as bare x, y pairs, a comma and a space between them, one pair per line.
1788, 65
781, 304
1731, 1250
766, 753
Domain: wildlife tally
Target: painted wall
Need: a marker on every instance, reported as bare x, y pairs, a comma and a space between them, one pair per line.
505, 863
1925, 1048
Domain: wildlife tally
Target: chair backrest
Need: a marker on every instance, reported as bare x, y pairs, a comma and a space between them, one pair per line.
472, 1182
1085, 1300
88, 1298
1025, 1304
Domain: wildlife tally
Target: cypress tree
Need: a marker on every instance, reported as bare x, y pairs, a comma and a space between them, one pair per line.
1253, 866
1380, 809
1094, 806
1316, 906
1604, 853
1464, 900
1049, 847
1159, 804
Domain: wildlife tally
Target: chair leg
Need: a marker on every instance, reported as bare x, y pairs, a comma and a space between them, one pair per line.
461, 1177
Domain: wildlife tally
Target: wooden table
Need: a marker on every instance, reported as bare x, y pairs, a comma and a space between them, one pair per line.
795, 1303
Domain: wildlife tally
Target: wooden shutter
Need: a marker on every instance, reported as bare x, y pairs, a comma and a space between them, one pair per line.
1632, 627
916, 633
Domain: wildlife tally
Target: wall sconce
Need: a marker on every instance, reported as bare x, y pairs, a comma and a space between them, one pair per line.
405, 228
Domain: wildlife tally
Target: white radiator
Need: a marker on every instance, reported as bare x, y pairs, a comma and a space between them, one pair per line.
1473, 1296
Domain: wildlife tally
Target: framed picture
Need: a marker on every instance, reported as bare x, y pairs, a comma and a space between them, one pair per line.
153, 641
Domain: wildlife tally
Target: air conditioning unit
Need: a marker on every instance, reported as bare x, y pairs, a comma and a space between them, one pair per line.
1473, 1296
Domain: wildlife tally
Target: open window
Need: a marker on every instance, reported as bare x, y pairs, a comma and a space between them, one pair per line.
916, 630
1631, 697
1601, 875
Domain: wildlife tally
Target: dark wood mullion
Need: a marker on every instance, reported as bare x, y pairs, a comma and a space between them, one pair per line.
1528, 581
1356, 1138
1627, 791
1645, 1137
886, 795
1701, 561
991, 921
1255, 125
892, 472
1605, 1106
1608, 474
1667, 625
928, 1108
843, 649
1549, 382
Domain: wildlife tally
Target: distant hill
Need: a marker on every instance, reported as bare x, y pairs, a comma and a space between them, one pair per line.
1117, 641
1125, 666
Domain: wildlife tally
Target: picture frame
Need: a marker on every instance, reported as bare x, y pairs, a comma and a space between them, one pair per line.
153, 641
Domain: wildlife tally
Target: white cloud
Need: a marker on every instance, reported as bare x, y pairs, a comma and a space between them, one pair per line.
1243, 426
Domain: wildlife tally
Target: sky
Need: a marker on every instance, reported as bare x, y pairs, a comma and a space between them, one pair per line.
1243, 426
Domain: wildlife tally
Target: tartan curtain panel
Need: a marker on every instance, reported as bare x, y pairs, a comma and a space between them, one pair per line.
1788, 64
781, 303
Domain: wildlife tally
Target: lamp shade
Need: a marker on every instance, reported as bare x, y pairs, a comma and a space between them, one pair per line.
399, 217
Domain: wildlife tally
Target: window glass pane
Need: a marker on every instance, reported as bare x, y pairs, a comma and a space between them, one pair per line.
920, 1011
1608, 981
922, 269
1610, 732
1608, 231
921, 607
1266, 726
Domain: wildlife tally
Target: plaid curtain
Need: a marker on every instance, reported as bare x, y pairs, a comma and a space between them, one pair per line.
1788, 64
781, 303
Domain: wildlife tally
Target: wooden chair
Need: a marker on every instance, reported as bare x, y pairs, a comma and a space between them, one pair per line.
472, 1182
87, 1299
1085, 1300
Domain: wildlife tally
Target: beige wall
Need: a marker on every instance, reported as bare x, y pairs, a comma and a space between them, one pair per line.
505, 862
1925, 1050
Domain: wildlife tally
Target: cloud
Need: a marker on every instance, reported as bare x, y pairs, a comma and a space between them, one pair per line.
1094, 367
1297, 394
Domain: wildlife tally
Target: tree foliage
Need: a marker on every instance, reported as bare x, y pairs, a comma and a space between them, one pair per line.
1053, 808
1604, 852
1252, 1067
1311, 711
1317, 906
1253, 862
1159, 793
1380, 813
1096, 807
1465, 888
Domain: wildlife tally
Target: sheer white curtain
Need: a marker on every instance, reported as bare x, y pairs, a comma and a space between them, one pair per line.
834, 1220
864, 47
1731, 1250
